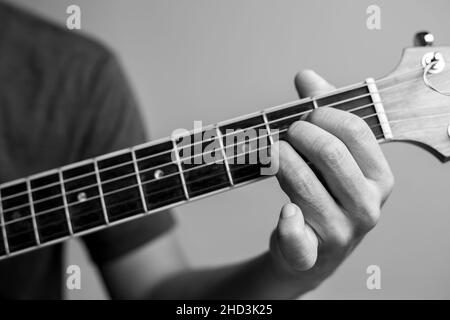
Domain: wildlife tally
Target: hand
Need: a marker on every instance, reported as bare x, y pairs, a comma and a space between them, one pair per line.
333, 206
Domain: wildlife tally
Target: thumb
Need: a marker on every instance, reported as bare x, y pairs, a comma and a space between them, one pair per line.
310, 84
294, 242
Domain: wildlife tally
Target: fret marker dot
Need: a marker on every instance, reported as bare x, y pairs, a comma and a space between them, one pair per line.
159, 173
82, 197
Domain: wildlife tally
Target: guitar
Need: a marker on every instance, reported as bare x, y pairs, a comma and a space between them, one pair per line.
409, 104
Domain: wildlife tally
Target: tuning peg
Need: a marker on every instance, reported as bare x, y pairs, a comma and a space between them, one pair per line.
423, 39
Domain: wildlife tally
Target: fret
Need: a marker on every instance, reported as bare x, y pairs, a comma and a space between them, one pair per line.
266, 122
119, 184
202, 163
83, 196
66, 207
4, 247
180, 169
20, 231
246, 142
33, 214
48, 206
138, 178
224, 155
314, 103
161, 181
100, 192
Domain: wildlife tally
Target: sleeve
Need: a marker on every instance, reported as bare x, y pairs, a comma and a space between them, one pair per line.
114, 122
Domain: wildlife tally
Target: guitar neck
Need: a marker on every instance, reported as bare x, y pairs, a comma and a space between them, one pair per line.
90, 195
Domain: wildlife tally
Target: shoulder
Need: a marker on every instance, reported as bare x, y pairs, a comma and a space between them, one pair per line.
51, 43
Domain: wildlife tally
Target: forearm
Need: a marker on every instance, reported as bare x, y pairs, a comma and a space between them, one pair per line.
258, 278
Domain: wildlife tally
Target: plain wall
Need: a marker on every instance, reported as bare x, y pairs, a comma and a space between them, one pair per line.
212, 60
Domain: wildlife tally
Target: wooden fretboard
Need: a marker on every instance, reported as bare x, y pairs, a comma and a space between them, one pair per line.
86, 196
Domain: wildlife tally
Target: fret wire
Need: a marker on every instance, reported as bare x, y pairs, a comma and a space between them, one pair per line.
272, 121
224, 155
336, 92
2, 220
314, 101
162, 165
100, 191
167, 206
208, 176
165, 164
88, 231
180, 169
266, 122
163, 152
147, 182
66, 207
33, 214
269, 109
138, 177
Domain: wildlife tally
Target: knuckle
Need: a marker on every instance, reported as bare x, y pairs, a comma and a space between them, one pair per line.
331, 151
370, 216
389, 182
355, 126
341, 239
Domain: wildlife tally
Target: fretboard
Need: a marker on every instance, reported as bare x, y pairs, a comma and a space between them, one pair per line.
90, 195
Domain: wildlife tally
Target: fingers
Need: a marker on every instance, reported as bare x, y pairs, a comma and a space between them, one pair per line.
310, 84
359, 139
305, 190
337, 166
353, 169
295, 241
350, 129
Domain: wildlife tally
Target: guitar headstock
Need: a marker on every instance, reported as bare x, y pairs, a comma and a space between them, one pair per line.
416, 98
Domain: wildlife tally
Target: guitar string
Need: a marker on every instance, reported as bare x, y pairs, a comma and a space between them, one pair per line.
352, 87
170, 151
183, 147
224, 135
112, 191
13, 221
121, 177
165, 190
46, 199
154, 193
132, 174
220, 161
159, 166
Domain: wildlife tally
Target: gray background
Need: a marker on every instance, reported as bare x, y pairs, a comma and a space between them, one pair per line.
211, 60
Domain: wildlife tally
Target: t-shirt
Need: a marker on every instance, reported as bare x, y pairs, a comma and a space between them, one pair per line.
63, 98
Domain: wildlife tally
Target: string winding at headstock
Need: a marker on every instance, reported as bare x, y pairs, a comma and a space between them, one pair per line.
416, 99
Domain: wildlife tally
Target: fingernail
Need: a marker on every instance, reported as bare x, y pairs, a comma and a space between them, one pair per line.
288, 211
